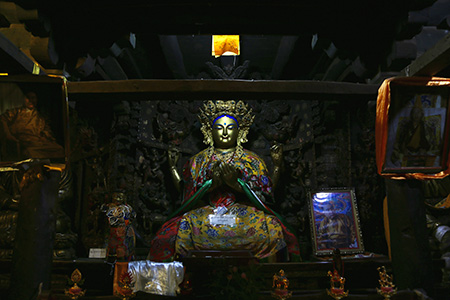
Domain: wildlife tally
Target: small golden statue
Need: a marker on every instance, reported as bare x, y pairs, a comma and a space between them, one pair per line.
387, 287
280, 285
125, 289
337, 282
75, 292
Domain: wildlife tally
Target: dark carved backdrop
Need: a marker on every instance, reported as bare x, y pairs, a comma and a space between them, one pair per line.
124, 147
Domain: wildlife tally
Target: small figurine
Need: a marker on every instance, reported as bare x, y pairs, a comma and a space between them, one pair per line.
337, 282
186, 286
75, 292
125, 289
280, 285
387, 287
122, 238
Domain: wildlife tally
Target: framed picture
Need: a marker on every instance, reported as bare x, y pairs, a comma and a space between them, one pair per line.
33, 118
417, 129
335, 221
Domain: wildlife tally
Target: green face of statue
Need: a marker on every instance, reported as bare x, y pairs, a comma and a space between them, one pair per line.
225, 133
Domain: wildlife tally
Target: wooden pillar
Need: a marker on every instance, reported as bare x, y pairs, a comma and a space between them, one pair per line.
411, 257
33, 248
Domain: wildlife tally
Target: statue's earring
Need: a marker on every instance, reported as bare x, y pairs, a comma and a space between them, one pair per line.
211, 145
240, 139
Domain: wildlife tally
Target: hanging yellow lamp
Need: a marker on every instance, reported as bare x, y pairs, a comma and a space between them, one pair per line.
226, 45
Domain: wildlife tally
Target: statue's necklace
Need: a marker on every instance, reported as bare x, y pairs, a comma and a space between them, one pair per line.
225, 155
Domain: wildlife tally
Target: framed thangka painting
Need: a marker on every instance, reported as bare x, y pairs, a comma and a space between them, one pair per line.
334, 221
417, 129
33, 118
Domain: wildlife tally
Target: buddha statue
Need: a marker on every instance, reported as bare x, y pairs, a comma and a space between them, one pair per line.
226, 191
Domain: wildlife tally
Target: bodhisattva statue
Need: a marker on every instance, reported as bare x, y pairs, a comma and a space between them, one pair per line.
225, 191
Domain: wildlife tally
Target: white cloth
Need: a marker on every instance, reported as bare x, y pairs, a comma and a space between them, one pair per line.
155, 277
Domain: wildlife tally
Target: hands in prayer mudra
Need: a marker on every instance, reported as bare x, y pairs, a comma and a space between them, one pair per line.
236, 184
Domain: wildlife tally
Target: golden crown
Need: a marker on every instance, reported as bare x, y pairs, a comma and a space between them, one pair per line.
238, 110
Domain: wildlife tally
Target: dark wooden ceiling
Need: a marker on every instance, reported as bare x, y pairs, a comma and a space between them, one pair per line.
286, 39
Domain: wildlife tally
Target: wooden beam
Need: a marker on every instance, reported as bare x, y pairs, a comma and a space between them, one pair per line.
14, 61
112, 67
285, 49
27, 78
174, 55
216, 89
432, 61
34, 239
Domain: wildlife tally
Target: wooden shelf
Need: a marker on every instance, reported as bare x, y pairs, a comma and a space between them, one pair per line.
215, 89
308, 280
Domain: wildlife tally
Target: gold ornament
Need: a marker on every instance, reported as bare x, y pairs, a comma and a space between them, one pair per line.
237, 110
75, 292
125, 287
280, 284
387, 287
337, 290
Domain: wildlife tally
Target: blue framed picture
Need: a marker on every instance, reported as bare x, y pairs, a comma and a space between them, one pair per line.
335, 221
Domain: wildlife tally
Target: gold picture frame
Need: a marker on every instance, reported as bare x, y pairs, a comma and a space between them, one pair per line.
412, 128
33, 118
417, 138
334, 221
